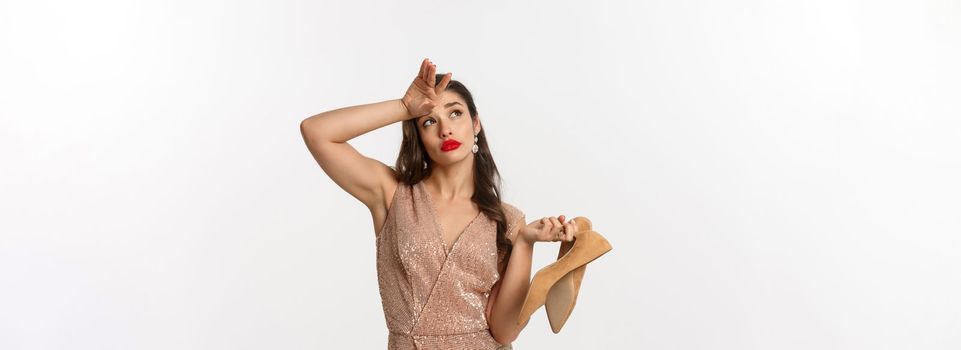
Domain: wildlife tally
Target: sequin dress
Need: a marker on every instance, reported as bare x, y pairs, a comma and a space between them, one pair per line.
434, 298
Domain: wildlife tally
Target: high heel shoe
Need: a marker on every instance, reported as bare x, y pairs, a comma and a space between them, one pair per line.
563, 294
561, 279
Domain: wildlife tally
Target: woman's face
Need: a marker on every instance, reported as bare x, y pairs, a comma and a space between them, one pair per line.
448, 131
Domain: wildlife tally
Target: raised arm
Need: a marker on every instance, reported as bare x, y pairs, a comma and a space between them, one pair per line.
326, 135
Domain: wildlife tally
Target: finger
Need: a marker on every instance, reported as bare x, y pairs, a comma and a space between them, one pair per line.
430, 76
568, 231
423, 69
556, 224
444, 81
427, 78
546, 224
537, 223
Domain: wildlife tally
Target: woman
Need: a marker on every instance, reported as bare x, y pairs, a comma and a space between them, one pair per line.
453, 260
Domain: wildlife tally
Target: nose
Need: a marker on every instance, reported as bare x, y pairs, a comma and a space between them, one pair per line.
446, 132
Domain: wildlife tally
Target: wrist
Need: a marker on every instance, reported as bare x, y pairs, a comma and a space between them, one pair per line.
407, 114
523, 241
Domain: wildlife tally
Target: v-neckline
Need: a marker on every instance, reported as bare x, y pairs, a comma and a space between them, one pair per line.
438, 227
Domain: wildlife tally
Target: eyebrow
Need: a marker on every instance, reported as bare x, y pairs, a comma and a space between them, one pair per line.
445, 106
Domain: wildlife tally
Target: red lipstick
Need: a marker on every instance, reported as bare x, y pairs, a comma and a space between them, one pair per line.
449, 145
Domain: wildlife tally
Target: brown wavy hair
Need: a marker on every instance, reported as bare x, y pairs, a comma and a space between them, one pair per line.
409, 168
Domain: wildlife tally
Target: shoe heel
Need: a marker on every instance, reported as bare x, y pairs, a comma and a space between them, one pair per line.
563, 277
563, 296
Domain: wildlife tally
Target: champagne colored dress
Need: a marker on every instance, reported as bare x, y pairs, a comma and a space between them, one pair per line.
434, 297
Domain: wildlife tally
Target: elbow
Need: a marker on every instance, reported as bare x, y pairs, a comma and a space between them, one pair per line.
310, 130
503, 338
504, 331
505, 341
305, 126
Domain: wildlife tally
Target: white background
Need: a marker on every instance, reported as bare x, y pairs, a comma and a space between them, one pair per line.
771, 174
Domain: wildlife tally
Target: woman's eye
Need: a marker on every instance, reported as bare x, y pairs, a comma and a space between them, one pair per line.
431, 120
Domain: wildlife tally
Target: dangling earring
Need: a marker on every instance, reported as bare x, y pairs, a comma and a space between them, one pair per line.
475, 148
425, 164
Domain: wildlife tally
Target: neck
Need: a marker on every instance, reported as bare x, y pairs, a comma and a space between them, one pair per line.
455, 181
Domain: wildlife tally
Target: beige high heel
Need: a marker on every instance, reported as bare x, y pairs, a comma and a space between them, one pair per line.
556, 285
563, 294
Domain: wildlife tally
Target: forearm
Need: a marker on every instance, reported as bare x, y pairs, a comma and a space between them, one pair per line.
343, 124
513, 290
